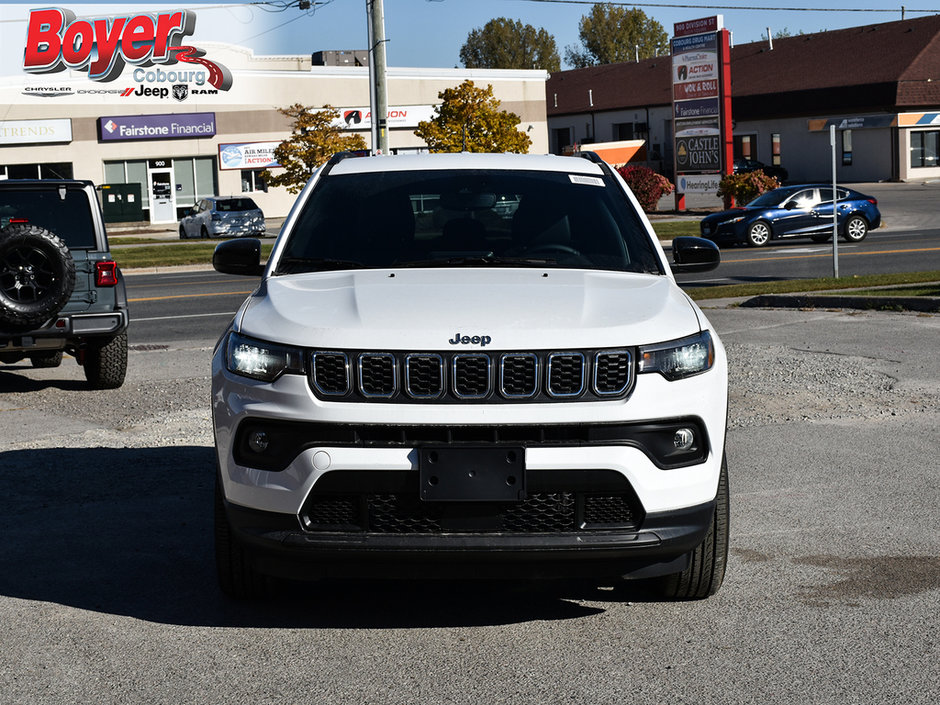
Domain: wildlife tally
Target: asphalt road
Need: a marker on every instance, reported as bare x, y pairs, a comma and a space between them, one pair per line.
832, 595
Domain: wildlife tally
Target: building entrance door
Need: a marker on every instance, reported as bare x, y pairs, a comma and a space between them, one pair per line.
162, 196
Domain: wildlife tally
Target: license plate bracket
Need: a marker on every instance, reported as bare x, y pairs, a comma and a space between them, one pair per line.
472, 473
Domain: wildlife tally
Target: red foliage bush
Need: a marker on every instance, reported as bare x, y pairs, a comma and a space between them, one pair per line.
647, 185
744, 188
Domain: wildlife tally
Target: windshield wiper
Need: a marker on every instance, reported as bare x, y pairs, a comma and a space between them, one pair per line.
292, 265
479, 261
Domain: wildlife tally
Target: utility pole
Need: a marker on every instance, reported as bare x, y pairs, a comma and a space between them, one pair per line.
377, 66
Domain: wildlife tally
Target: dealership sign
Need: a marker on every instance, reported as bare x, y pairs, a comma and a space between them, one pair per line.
156, 127
103, 46
248, 155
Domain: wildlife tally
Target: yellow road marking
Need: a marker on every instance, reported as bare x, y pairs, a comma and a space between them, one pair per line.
829, 255
191, 296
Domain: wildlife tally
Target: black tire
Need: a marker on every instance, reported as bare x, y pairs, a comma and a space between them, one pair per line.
182, 232
706, 569
237, 578
204, 234
37, 275
758, 234
46, 359
106, 365
855, 229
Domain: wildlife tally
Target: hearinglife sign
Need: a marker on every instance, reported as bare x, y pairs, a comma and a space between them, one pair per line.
701, 104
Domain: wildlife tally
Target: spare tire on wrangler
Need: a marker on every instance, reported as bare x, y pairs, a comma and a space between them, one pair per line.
37, 275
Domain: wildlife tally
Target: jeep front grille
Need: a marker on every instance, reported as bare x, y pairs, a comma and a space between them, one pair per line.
408, 377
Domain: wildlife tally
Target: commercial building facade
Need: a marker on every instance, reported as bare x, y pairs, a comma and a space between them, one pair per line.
878, 84
182, 140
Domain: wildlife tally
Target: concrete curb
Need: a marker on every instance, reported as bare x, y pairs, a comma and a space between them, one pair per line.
922, 304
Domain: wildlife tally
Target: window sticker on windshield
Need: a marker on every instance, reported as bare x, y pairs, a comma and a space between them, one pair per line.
586, 180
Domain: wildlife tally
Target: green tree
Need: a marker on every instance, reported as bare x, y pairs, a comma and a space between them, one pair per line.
611, 34
508, 44
469, 120
314, 139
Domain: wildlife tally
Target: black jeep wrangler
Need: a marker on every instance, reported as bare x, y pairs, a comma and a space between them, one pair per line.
60, 290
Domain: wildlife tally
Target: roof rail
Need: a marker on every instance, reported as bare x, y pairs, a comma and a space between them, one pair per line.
591, 157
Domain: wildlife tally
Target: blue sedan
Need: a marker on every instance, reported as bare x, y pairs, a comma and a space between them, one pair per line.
795, 211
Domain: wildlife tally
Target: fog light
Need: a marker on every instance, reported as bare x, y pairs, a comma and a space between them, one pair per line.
258, 441
684, 439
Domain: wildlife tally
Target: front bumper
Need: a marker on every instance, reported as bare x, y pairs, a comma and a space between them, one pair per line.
277, 545
724, 232
354, 456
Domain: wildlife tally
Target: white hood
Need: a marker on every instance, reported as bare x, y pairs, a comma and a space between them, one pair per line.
424, 309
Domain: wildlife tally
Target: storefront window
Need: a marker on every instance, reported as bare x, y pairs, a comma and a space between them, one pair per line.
924, 148
55, 170
252, 181
775, 149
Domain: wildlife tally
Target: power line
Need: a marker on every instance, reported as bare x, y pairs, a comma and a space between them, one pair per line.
739, 7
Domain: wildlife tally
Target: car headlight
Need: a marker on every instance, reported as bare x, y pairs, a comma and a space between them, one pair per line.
735, 220
261, 360
678, 359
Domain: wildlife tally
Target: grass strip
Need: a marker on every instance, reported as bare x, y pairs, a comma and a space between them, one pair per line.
666, 230
171, 255
795, 286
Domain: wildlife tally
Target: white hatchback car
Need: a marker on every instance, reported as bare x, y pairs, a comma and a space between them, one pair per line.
424, 385
223, 216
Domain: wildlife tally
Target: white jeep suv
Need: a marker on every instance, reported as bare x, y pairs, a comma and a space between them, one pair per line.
470, 364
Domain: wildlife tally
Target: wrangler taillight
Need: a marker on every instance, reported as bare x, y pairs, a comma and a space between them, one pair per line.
106, 273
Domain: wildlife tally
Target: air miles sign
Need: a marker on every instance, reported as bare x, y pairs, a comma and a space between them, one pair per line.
104, 47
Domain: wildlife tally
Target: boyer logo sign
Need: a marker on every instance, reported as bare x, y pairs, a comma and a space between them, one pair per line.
56, 41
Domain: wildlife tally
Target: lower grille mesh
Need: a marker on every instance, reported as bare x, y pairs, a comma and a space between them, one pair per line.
541, 512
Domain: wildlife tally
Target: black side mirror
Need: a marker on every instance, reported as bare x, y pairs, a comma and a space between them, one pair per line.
238, 257
694, 254
790, 205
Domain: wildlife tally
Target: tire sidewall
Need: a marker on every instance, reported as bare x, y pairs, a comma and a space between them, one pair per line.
16, 239
750, 228
848, 223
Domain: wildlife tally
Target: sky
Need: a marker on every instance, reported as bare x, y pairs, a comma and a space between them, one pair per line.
429, 33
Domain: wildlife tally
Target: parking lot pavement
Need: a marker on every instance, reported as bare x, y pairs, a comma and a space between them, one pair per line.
832, 594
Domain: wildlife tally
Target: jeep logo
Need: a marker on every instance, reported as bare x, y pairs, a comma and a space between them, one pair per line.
458, 339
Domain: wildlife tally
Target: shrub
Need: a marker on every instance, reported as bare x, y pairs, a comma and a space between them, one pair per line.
743, 188
647, 185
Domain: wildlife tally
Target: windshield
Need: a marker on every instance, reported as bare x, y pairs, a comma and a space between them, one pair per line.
467, 218
67, 215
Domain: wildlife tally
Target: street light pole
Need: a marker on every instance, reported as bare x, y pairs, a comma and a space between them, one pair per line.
377, 66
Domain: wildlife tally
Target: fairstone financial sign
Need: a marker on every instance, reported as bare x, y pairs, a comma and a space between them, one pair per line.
156, 127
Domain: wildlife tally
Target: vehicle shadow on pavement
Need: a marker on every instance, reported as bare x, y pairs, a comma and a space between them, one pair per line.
128, 531
18, 383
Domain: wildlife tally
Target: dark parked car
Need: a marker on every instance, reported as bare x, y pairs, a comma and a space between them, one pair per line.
795, 211
60, 289
234, 216
742, 166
